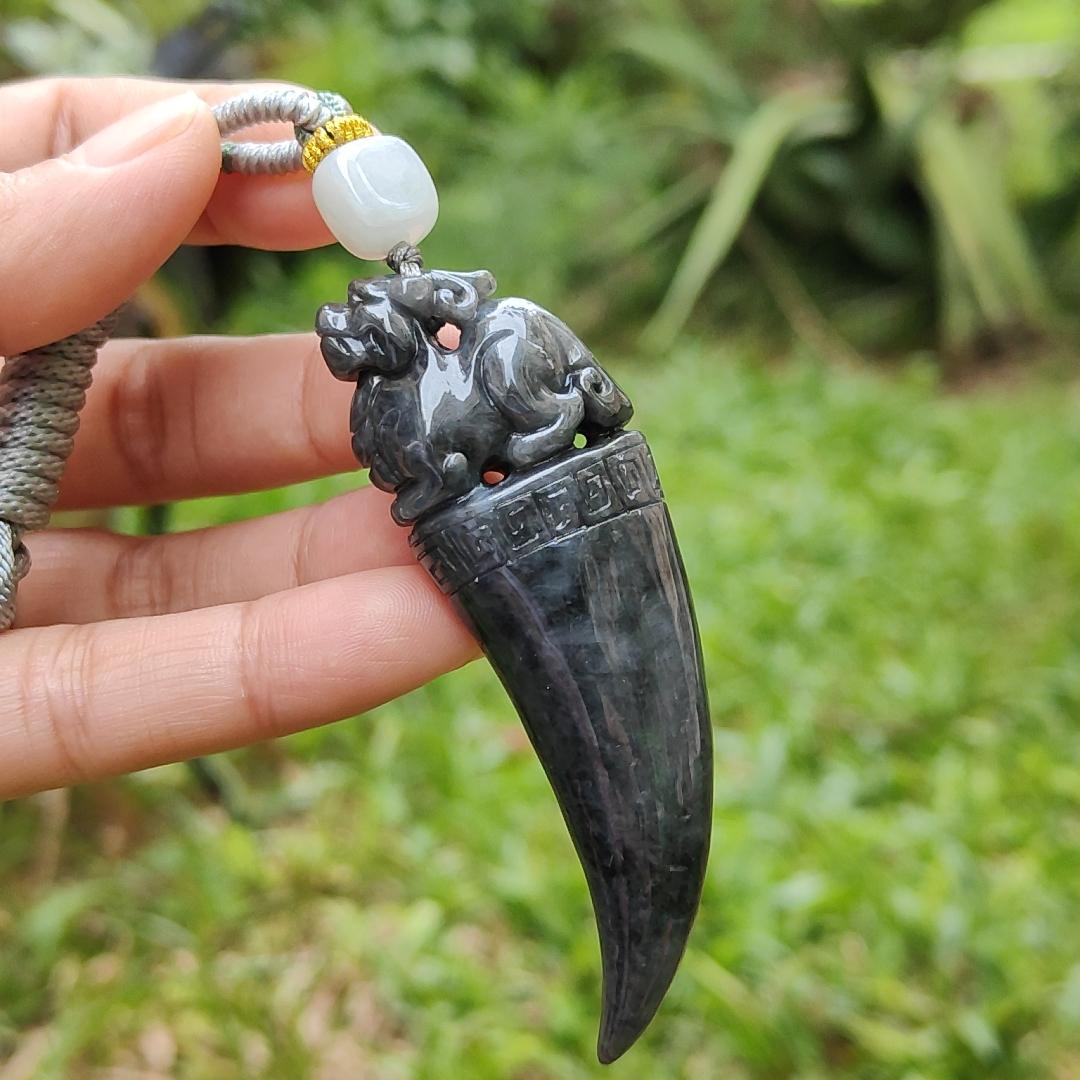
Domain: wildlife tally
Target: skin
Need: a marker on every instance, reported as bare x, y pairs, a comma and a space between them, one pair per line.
131, 652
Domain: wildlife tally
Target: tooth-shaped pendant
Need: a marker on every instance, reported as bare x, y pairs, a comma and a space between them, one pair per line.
563, 561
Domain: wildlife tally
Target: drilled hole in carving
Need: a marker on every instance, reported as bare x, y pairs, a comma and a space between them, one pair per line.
448, 336
580, 441
494, 473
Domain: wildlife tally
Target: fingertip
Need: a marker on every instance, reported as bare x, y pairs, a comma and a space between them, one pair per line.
396, 622
341, 647
198, 150
83, 231
420, 620
167, 186
181, 123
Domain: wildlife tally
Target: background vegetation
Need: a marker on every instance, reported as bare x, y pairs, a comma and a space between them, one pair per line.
796, 230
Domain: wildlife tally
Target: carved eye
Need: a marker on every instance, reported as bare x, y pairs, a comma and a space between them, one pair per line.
444, 298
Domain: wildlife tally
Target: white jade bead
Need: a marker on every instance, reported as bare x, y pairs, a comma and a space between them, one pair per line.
374, 193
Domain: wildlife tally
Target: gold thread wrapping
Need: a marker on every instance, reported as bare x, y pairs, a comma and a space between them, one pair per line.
337, 131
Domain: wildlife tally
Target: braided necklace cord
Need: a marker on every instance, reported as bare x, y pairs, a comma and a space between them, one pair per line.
43, 390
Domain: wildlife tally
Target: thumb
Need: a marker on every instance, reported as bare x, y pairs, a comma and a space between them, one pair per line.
83, 231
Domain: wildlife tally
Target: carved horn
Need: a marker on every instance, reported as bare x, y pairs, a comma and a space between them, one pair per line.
592, 632
443, 295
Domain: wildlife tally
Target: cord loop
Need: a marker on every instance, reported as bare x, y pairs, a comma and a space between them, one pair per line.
304, 109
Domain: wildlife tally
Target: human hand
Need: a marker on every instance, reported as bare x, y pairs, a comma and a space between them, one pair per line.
134, 651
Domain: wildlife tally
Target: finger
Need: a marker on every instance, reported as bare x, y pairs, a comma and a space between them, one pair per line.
79, 703
82, 575
83, 230
44, 118
169, 420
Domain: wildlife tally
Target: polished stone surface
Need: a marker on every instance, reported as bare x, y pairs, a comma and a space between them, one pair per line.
570, 576
568, 573
374, 193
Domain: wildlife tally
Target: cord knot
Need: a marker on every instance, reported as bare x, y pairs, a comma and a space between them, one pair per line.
405, 259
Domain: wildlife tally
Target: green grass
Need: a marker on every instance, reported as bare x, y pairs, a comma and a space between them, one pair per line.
888, 585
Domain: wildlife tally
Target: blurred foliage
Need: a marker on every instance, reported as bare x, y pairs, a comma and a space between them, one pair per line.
885, 175
888, 585
887, 576
882, 173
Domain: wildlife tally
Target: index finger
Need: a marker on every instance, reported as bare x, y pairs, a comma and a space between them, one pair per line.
43, 118
84, 702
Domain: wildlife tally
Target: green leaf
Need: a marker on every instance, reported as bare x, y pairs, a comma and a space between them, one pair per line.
733, 197
45, 924
645, 223
685, 53
990, 278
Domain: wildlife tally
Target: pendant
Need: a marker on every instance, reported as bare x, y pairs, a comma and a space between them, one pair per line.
561, 558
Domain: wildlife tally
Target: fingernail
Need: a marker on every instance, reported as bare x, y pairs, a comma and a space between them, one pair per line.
140, 132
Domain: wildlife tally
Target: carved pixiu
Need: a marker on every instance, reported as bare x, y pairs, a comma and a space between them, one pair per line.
428, 420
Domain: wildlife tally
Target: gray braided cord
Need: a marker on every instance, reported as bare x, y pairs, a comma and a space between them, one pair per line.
43, 391
41, 394
304, 109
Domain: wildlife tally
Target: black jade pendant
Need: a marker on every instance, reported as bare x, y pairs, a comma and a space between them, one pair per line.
568, 573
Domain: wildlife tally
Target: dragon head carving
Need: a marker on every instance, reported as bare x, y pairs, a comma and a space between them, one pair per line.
385, 322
